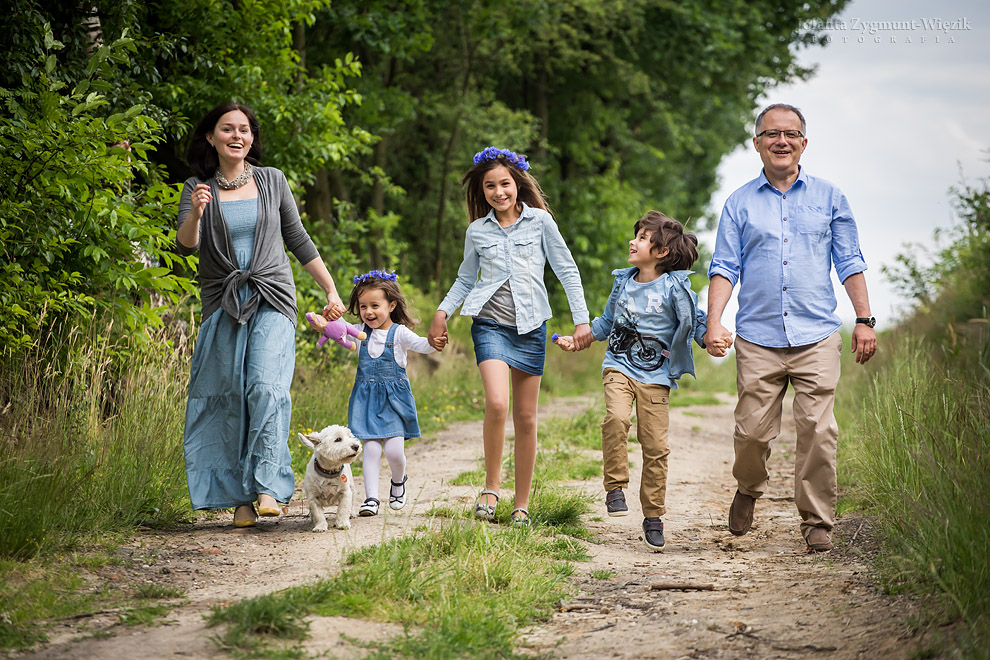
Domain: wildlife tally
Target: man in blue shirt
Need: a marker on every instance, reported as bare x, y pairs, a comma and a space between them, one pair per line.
778, 237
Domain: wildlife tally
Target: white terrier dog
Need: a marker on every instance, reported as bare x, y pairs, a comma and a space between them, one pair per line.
328, 476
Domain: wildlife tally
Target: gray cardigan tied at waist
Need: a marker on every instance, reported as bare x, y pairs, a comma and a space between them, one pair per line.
270, 274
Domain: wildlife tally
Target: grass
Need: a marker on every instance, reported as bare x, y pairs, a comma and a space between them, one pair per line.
105, 427
917, 444
27, 590
152, 591
99, 429
459, 588
55, 588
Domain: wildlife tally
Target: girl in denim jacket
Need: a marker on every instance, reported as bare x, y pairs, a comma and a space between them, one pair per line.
500, 283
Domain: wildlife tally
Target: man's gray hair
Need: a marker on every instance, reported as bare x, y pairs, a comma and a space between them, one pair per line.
781, 106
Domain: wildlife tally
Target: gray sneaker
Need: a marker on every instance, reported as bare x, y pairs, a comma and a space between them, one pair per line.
653, 533
615, 503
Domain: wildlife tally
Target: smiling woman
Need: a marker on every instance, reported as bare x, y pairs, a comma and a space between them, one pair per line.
238, 215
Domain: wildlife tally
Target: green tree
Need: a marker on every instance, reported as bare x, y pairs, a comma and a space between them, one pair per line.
622, 107
83, 213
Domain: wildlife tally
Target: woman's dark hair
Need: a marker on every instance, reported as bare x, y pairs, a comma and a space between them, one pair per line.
528, 190
670, 234
392, 294
201, 156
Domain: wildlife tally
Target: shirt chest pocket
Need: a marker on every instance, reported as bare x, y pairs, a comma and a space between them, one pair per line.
488, 254
811, 220
524, 247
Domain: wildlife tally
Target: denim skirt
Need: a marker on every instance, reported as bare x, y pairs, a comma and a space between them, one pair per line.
494, 341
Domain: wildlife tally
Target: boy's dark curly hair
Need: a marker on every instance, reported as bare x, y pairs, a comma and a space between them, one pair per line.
668, 233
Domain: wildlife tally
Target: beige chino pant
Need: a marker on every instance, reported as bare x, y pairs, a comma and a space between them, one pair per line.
651, 431
762, 377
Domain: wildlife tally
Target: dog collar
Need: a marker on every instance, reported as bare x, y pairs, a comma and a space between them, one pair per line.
329, 474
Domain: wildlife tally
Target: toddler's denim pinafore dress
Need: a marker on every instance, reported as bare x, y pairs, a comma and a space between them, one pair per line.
382, 404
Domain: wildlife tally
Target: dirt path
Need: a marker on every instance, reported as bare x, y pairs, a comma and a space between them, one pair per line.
769, 600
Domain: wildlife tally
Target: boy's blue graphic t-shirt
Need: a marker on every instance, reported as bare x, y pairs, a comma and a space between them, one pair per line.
649, 327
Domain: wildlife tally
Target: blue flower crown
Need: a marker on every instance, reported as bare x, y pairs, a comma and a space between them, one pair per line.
376, 275
511, 157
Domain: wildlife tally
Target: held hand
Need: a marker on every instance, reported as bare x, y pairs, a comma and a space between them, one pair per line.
334, 308
864, 343
565, 342
201, 196
718, 340
437, 335
582, 336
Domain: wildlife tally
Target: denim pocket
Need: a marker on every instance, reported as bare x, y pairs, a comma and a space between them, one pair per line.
524, 247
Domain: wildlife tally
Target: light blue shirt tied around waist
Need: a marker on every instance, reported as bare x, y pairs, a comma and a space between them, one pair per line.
517, 253
665, 309
780, 248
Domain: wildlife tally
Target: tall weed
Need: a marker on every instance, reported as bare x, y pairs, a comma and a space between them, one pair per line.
920, 452
92, 445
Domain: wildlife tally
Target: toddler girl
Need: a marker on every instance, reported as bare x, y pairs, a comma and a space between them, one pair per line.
382, 411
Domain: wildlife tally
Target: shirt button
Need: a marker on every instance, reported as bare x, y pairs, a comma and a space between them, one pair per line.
785, 313
785, 263
785, 219
785, 288
785, 196
785, 240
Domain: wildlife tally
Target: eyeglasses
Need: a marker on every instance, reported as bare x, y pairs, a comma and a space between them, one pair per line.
773, 134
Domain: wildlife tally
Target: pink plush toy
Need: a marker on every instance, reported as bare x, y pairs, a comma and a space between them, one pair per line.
336, 330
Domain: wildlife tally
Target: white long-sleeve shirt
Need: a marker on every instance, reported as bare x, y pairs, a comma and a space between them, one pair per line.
405, 340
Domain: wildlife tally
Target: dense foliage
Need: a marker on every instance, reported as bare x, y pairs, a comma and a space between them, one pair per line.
83, 213
373, 114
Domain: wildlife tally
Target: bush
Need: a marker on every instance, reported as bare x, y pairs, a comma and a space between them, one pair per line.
84, 217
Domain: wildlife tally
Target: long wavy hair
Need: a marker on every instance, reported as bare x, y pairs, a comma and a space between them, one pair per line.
392, 294
201, 156
529, 190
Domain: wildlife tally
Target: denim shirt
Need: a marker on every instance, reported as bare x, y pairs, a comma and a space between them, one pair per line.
781, 247
517, 253
672, 315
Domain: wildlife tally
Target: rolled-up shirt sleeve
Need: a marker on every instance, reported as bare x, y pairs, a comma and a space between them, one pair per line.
846, 253
727, 256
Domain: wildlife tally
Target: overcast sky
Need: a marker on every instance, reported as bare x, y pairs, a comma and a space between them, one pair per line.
890, 123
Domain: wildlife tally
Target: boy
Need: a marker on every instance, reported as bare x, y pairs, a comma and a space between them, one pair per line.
649, 321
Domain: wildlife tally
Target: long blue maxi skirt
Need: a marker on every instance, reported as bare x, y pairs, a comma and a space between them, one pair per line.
237, 416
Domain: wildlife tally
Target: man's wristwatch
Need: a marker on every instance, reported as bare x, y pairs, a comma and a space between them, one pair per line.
868, 322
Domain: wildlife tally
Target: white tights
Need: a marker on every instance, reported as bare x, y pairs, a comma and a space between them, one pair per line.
395, 455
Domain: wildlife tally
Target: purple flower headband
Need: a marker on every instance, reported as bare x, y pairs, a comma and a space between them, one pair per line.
511, 157
376, 275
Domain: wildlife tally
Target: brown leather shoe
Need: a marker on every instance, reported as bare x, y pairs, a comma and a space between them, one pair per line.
818, 540
741, 514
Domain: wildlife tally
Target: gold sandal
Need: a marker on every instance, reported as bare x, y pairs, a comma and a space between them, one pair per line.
269, 511
244, 521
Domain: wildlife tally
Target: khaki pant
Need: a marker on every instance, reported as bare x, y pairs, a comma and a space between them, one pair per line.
651, 431
762, 378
